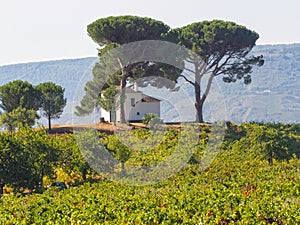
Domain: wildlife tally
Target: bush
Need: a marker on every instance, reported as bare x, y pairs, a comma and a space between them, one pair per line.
150, 119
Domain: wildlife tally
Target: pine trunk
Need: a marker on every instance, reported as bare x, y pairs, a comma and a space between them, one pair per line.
49, 123
122, 99
200, 99
198, 104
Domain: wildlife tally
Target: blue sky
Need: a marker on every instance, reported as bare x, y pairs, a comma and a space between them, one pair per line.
37, 30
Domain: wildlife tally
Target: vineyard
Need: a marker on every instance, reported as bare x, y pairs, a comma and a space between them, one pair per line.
254, 179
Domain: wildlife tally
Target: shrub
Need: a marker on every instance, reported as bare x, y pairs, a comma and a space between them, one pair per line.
151, 119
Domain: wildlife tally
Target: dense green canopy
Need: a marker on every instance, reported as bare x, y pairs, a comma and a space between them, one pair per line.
126, 29
17, 94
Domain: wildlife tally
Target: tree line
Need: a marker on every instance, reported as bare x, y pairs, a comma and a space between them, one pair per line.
21, 102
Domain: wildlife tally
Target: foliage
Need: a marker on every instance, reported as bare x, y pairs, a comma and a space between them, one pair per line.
151, 146
41, 154
120, 151
112, 32
281, 104
233, 190
71, 159
14, 167
148, 117
156, 123
89, 100
223, 49
17, 94
20, 101
27, 156
18, 118
108, 100
239, 187
125, 29
95, 156
152, 120
266, 142
52, 101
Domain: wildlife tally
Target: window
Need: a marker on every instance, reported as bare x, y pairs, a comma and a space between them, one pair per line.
132, 100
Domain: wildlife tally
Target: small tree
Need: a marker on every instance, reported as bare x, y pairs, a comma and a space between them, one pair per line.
151, 119
18, 118
20, 101
109, 99
17, 94
52, 101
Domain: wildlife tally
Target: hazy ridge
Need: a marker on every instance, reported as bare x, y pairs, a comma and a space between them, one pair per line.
273, 95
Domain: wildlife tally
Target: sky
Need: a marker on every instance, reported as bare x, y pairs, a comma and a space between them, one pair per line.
40, 30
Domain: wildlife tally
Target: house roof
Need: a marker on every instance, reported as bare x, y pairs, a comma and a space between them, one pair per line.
131, 90
147, 98
128, 90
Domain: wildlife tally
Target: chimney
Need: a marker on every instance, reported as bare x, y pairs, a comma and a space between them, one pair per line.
135, 86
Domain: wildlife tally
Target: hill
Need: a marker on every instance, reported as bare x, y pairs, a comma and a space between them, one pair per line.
273, 94
67, 73
254, 178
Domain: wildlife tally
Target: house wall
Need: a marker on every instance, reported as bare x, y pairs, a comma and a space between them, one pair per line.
135, 112
142, 108
105, 115
128, 107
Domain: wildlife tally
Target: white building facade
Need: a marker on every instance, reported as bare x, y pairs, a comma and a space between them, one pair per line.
136, 105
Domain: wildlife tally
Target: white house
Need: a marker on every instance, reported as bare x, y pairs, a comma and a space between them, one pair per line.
136, 105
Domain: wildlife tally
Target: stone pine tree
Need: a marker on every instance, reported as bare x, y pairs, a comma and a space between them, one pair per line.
20, 102
52, 101
17, 94
112, 32
224, 49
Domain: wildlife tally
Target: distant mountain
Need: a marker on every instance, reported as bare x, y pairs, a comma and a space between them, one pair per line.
67, 73
273, 95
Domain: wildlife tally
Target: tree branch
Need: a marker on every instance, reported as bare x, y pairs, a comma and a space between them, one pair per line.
217, 68
206, 92
187, 80
218, 59
189, 70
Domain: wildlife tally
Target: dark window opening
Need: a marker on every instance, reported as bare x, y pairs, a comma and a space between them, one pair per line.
132, 102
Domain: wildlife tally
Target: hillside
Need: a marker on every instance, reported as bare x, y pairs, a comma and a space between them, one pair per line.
67, 73
273, 94
254, 178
